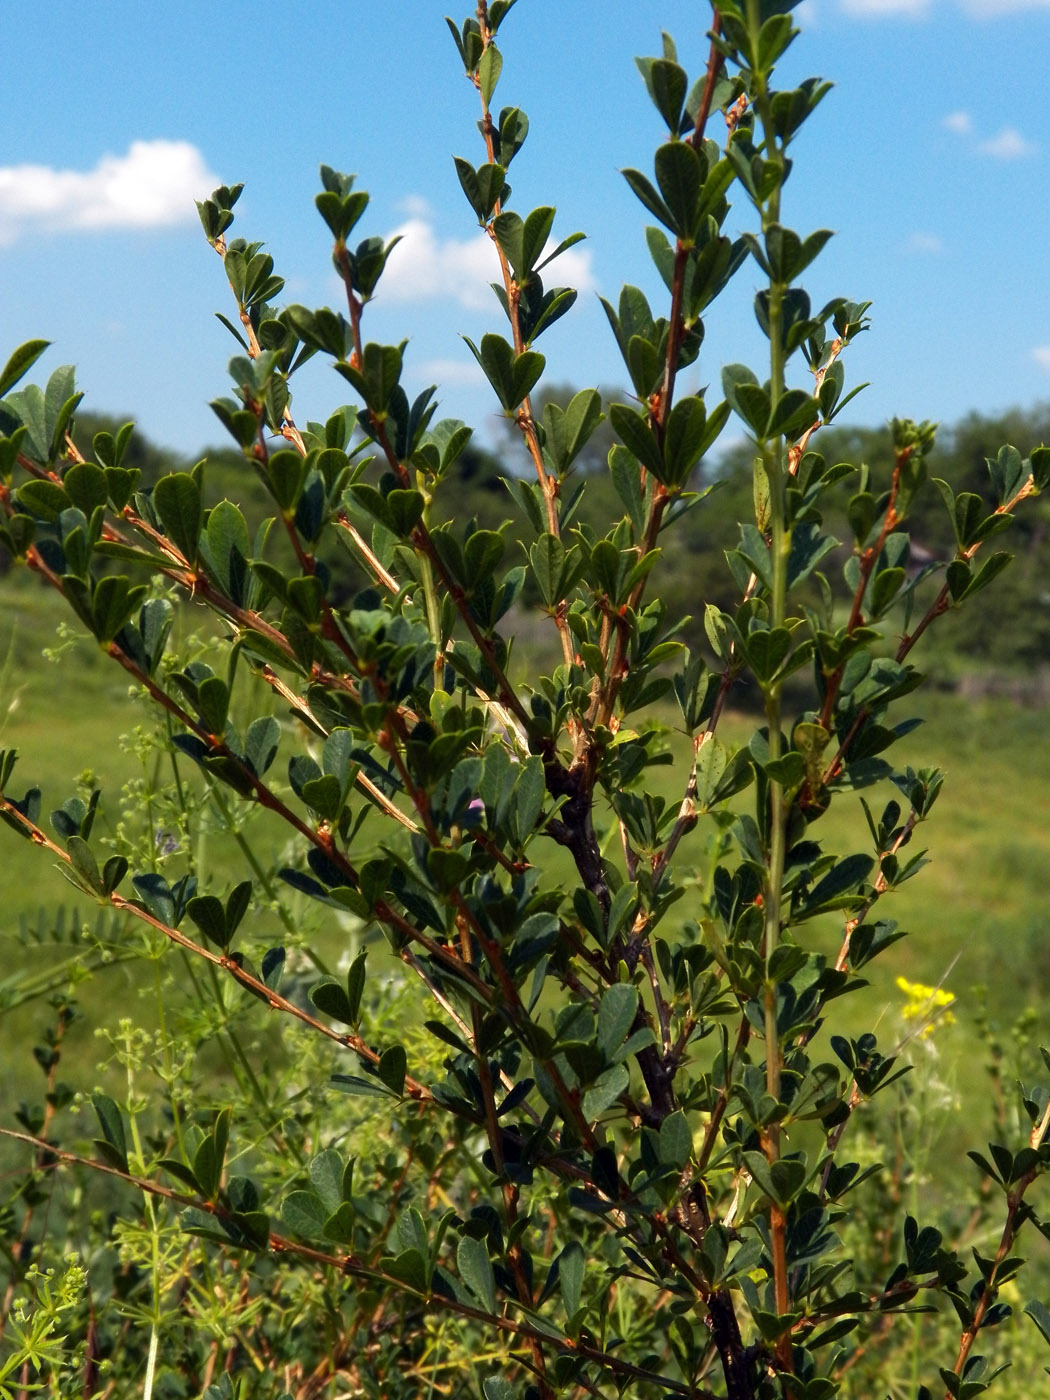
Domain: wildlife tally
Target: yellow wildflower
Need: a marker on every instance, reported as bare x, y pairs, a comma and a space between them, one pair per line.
927, 1004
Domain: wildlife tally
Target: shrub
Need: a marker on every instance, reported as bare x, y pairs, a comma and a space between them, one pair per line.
532, 1109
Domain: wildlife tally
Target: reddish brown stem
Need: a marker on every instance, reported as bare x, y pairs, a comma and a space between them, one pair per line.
1014, 1204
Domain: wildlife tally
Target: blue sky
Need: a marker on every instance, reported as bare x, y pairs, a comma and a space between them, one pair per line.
930, 160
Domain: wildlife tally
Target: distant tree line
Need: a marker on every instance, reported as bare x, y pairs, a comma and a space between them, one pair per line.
1010, 635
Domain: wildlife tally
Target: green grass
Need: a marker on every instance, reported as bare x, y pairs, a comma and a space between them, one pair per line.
975, 913
977, 909
978, 904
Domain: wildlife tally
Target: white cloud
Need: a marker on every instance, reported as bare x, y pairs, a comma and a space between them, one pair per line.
993, 9
152, 186
882, 9
959, 122
466, 372
414, 205
423, 267
920, 242
572, 269
1008, 144
1041, 355
918, 9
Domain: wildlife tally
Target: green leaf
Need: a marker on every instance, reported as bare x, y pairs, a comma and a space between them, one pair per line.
572, 1263
604, 1092
18, 533
114, 870
207, 1167
638, 437
483, 187
220, 1137
788, 770
177, 500
773, 38
745, 397
569, 242
684, 438
336, 760
535, 233
646, 365
86, 486
213, 700
326, 1177
616, 1013
226, 548
237, 903
85, 865
964, 583
489, 69
1040, 1316
260, 743
181, 1172
207, 913
680, 175
60, 401
767, 652
668, 84
304, 1214
446, 868
568, 430
378, 375
513, 129
392, 1067
482, 552
340, 1224
405, 509
341, 211
529, 792
411, 1230
112, 604
968, 514
795, 411
675, 1140
475, 1269
498, 1388
644, 190
45, 500
409, 1267
331, 1000
837, 890
555, 569
622, 908
27, 406
512, 376
20, 362
755, 407
114, 1145
780, 1180
711, 761
354, 1084
509, 230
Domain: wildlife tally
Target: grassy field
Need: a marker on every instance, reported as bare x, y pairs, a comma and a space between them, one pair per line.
977, 909
976, 913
